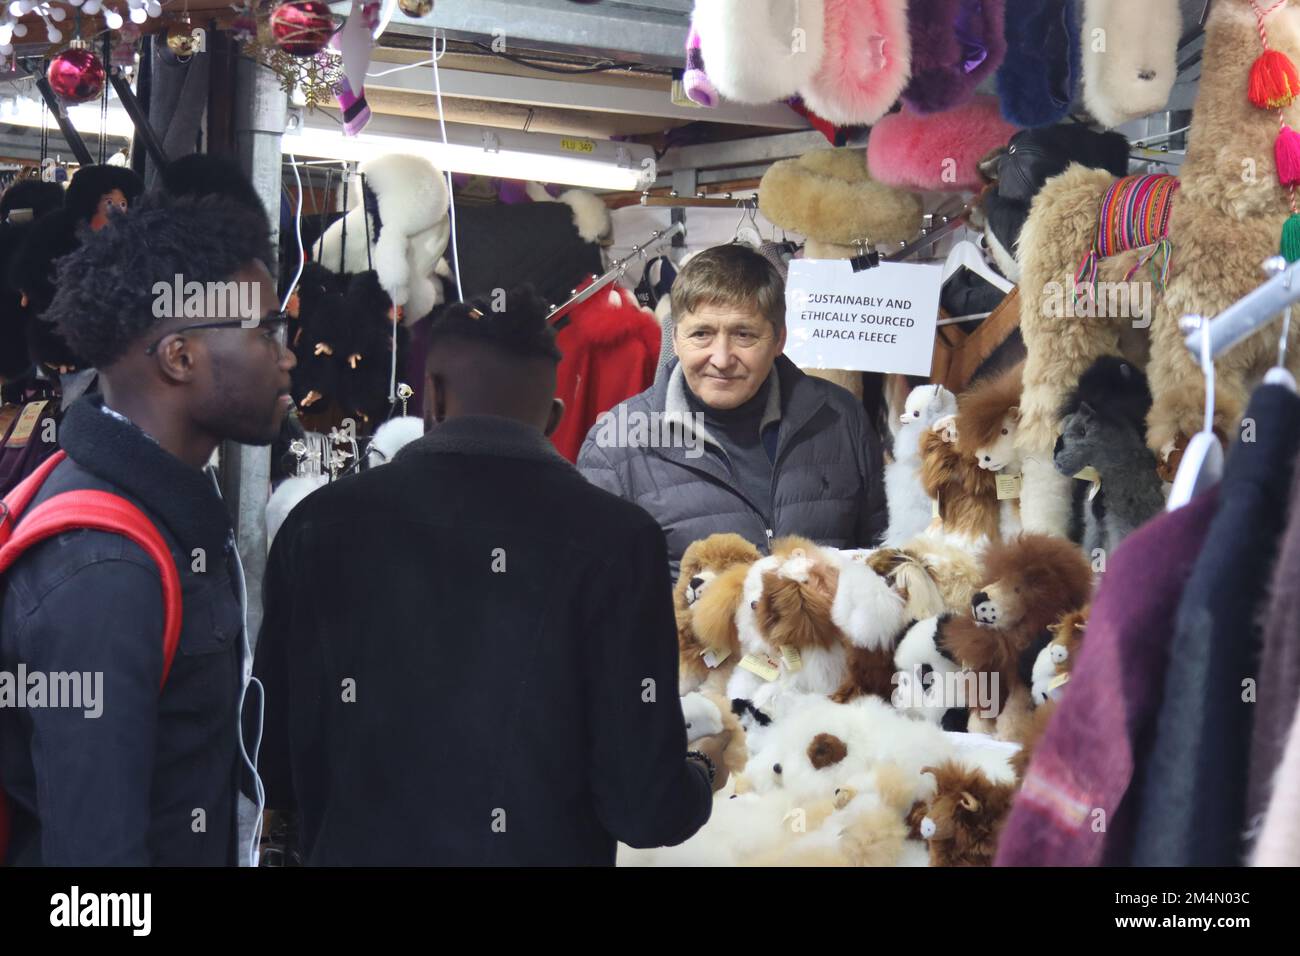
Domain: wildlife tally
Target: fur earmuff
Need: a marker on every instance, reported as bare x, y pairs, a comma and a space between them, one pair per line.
1130, 57
1037, 81
938, 152
867, 64
760, 52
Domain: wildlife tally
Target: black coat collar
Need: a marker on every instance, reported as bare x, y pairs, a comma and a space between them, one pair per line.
485, 435
183, 498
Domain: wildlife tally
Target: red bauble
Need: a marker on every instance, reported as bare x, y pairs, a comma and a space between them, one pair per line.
76, 75
302, 27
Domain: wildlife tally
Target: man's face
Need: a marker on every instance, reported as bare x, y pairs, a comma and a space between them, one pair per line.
113, 199
726, 353
243, 385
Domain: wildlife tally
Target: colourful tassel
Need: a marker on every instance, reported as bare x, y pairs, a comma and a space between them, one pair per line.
1085, 279
1291, 238
1287, 152
1274, 81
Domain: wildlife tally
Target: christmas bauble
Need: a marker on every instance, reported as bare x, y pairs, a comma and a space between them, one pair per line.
302, 27
416, 8
76, 75
180, 39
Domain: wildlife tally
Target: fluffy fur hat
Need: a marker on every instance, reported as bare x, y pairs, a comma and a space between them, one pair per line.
30, 199
827, 195
760, 52
1130, 57
201, 174
1038, 77
867, 64
955, 45
939, 152
90, 183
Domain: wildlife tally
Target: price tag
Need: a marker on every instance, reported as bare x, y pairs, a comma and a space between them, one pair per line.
790, 655
714, 658
1009, 487
761, 665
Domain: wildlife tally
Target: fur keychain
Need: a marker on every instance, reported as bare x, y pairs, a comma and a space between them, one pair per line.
1274, 84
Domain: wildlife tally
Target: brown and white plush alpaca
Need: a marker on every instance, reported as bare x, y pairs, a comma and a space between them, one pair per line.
964, 818
928, 574
988, 416
967, 495
1226, 220
704, 561
813, 620
1055, 661
1030, 581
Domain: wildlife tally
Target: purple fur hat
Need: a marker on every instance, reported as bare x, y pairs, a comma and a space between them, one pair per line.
955, 45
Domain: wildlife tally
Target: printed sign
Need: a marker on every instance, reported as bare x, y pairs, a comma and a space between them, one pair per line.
881, 319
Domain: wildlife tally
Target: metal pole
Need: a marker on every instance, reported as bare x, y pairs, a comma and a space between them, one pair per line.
260, 110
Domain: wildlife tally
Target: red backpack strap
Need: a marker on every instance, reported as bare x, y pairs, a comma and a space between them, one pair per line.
16, 502
102, 511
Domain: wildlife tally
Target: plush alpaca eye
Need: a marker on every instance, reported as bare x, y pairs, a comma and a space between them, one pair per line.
753, 605
1006, 431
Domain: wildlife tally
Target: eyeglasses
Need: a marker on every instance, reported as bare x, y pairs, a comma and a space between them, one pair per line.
270, 327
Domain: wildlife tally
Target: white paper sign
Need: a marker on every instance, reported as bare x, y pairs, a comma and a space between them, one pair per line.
879, 320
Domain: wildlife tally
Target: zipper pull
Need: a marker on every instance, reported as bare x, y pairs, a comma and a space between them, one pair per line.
769, 539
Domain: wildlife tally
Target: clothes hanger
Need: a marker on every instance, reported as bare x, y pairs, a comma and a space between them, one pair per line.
966, 253
1279, 374
747, 231
1202, 463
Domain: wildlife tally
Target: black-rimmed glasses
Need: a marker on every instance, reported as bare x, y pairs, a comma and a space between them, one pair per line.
270, 326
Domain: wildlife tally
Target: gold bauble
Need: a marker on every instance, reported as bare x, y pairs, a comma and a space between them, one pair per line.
180, 39
416, 8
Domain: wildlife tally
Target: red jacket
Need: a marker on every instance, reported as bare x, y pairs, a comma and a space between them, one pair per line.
611, 349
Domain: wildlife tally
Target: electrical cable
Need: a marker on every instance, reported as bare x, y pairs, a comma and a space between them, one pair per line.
451, 194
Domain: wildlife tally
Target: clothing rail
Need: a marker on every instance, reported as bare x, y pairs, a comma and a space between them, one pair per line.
1250, 313
949, 225
616, 269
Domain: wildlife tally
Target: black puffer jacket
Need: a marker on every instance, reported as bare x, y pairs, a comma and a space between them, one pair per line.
827, 481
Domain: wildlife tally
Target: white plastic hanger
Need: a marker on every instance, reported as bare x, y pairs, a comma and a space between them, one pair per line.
966, 253
1279, 374
1202, 463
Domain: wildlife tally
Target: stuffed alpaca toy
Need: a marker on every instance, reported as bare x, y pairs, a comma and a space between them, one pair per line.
1130, 58
939, 152
813, 621
401, 211
1054, 662
952, 52
988, 416
1040, 71
966, 495
911, 580
1102, 428
867, 61
965, 816
910, 508
703, 563
827, 196
929, 685
1030, 581
1226, 219
760, 52
708, 715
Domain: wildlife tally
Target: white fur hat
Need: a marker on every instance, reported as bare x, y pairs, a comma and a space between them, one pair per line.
867, 63
1130, 57
760, 51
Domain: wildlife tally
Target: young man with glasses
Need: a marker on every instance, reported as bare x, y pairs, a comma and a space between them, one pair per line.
784, 453
152, 777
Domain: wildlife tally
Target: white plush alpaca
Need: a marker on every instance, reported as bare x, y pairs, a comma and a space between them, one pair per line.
406, 241
910, 509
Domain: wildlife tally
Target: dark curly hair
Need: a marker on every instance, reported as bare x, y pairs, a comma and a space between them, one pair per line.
513, 323
103, 300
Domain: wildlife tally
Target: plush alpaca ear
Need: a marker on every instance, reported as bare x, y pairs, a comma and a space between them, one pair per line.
826, 750
1087, 412
968, 802
1015, 414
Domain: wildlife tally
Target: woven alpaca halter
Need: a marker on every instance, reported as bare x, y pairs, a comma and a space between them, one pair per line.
1134, 214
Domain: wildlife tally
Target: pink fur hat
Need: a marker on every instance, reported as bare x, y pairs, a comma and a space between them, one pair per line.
937, 151
867, 61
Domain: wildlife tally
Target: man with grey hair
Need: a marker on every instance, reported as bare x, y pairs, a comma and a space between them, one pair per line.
783, 453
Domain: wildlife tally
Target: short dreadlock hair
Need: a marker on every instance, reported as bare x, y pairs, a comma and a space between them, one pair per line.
513, 323
103, 300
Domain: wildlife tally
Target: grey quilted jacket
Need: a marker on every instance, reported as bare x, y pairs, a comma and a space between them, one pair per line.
827, 478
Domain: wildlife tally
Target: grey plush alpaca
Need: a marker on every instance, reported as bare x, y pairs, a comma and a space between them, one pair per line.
1131, 492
